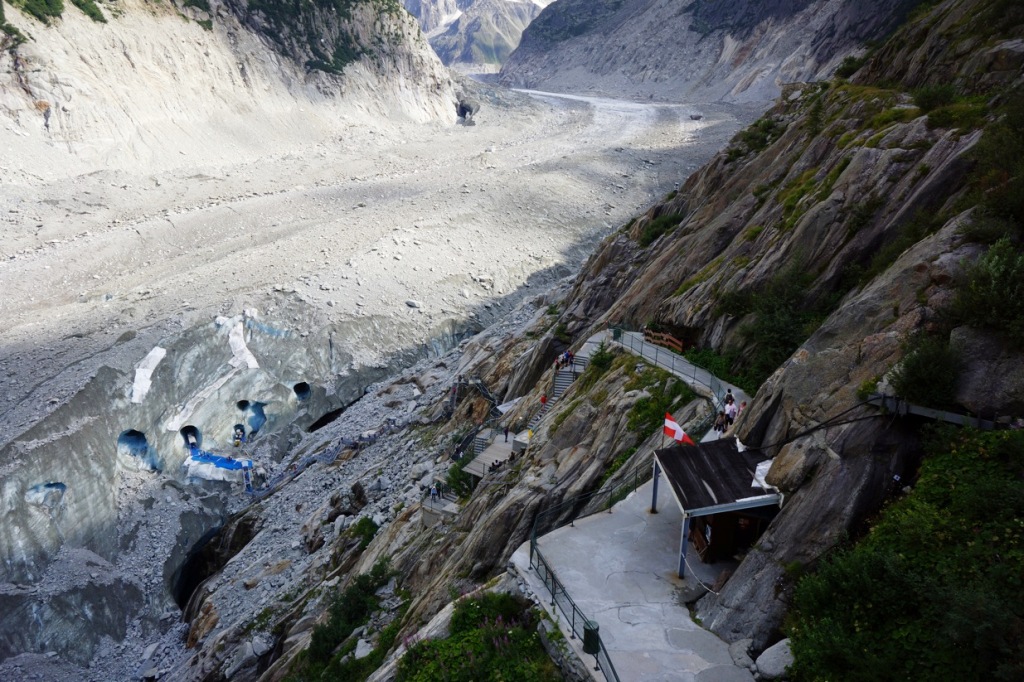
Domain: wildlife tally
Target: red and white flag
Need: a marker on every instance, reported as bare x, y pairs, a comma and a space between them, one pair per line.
674, 430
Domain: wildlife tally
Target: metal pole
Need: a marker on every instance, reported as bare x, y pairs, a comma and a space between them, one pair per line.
683, 545
654, 493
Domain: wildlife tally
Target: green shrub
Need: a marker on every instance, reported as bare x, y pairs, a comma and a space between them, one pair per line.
929, 371
348, 610
364, 529
867, 388
44, 10
562, 333
998, 180
290, 18
458, 480
962, 115
722, 365
914, 230
493, 637
992, 292
936, 590
657, 227
473, 613
850, 66
762, 133
783, 319
90, 9
931, 97
601, 360
816, 115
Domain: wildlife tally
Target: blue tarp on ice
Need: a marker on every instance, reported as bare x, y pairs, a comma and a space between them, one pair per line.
204, 457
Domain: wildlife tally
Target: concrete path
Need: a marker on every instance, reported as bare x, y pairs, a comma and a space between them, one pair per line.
620, 569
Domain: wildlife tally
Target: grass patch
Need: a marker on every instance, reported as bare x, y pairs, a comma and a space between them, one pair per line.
563, 415
493, 637
753, 233
830, 180
847, 139
894, 115
791, 196
665, 391
936, 589
701, 277
616, 464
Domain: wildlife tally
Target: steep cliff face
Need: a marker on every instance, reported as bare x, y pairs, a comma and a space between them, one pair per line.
693, 50
239, 81
806, 253
475, 33
838, 225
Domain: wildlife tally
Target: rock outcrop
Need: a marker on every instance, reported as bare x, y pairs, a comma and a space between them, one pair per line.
692, 51
474, 35
366, 63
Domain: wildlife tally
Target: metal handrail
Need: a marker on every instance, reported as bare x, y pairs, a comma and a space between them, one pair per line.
559, 595
673, 362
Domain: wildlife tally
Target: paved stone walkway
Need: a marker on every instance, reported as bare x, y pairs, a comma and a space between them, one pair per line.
620, 569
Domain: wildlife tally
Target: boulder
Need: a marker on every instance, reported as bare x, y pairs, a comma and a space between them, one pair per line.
740, 652
774, 661
363, 649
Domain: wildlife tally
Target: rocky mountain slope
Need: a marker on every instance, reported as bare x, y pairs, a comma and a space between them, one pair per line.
474, 35
697, 49
807, 255
839, 226
303, 73
809, 252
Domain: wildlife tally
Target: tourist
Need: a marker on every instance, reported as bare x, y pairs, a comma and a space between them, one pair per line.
730, 412
720, 423
433, 493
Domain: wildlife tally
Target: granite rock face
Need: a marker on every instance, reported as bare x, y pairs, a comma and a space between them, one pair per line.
474, 33
696, 50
